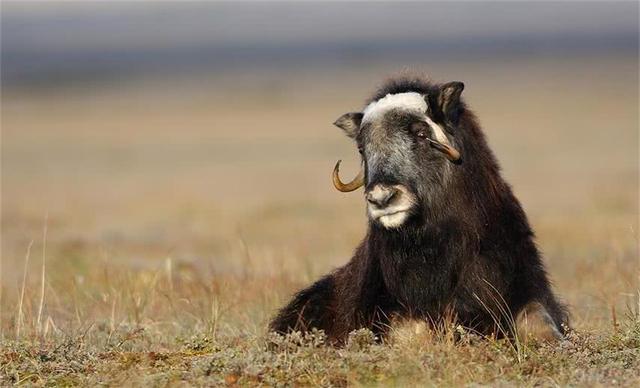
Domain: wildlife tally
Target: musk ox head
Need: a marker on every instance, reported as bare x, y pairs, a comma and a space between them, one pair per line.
407, 140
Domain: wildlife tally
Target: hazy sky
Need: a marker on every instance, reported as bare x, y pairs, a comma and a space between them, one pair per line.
71, 25
57, 40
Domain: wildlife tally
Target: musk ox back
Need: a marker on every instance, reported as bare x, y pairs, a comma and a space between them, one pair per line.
446, 236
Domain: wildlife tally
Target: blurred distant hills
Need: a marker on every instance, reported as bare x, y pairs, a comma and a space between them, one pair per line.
49, 44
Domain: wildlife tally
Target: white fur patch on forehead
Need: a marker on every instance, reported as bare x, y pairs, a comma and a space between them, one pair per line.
410, 101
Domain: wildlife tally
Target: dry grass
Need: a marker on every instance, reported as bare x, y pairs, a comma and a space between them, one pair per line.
175, 224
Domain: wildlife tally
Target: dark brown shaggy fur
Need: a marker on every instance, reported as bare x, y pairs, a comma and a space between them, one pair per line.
469, 253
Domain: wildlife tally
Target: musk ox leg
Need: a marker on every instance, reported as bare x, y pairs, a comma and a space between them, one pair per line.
311, 307
545, 321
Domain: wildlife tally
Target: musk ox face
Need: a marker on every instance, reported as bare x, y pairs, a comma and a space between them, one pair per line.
406, 153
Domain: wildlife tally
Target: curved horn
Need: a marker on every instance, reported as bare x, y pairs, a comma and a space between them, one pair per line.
347, 187
451, 153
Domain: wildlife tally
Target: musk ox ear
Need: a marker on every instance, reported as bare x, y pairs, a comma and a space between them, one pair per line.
349, 123
449, 101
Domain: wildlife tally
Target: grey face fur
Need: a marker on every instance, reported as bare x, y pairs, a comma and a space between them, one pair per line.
399, 164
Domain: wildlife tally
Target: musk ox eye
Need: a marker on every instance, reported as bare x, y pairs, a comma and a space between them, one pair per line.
419, 130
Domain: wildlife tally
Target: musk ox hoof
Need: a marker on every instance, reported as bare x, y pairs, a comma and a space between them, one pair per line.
535, 323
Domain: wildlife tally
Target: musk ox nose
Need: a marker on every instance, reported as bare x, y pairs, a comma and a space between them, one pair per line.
381, 196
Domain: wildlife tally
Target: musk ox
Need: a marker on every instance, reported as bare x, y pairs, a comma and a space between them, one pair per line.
446, 236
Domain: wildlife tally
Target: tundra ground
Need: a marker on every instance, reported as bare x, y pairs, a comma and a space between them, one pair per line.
151, 228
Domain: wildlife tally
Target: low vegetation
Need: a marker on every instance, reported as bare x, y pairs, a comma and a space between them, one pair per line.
163, 327
139, 357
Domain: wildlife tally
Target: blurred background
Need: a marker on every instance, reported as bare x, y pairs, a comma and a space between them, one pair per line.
194, 140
